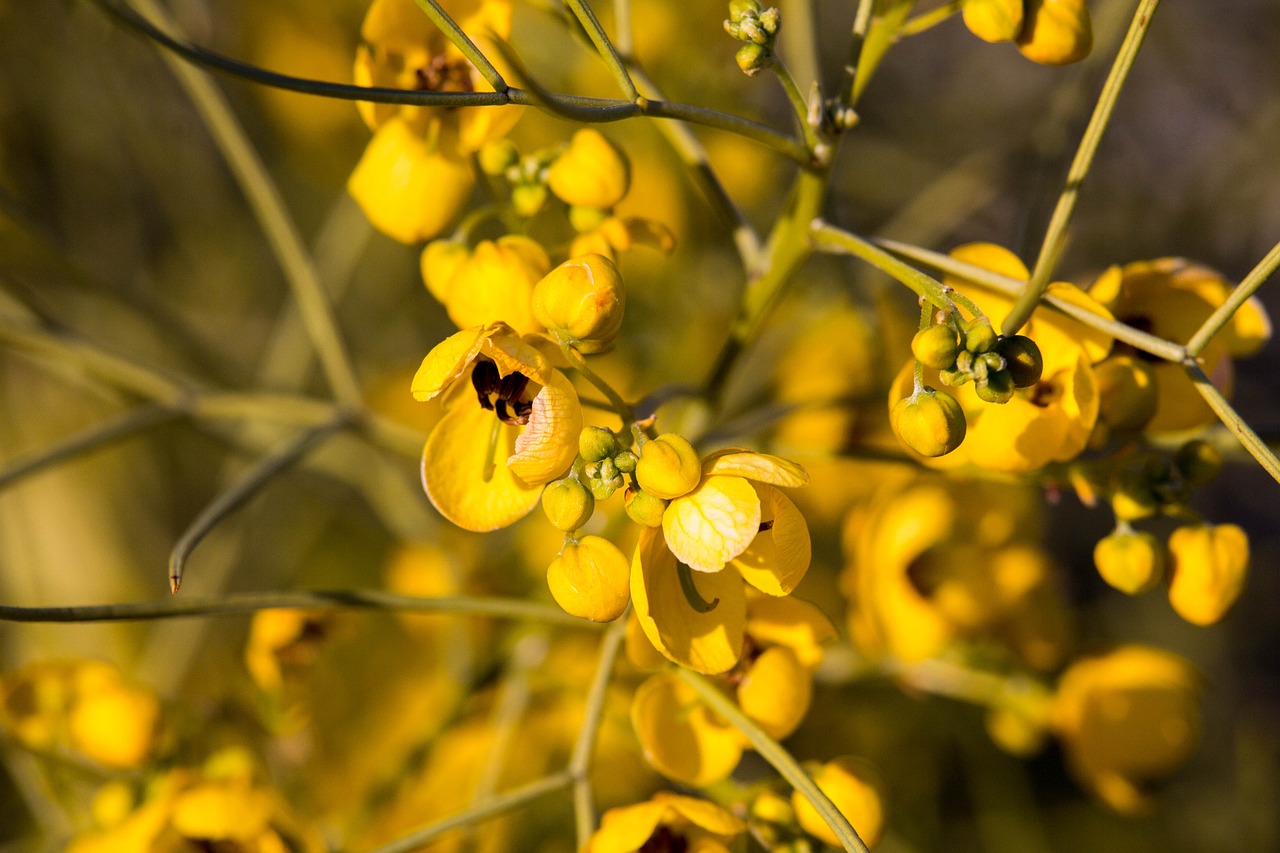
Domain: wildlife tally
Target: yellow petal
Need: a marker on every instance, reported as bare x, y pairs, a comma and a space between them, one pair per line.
548, 444
777, 559
454, 462
761, 467
115, 725
626, 829
712, 524
790, 622
709, 642
448, 360
496, 284
842, 780
221, 812
776, 691
706, 816
1210, 564
681, 738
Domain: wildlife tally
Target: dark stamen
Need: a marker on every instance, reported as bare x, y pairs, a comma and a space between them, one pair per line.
765, 525
485, 379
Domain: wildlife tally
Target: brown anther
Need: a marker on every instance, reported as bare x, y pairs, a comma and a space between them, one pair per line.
442, 74
508, 390
664, 840
765, 525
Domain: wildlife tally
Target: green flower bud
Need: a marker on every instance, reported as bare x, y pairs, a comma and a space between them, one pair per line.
930, 423
739, 9
979, 337
1022, 359
993, 360
1130, 561
643, 508
996, 388
602, 489
1198, 462
496, 157
936, 347
753, 58
596, 443
528, 199
567, 504
954, 378
626, 462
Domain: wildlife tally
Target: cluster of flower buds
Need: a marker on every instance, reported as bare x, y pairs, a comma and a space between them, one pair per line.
996, 364
757, 26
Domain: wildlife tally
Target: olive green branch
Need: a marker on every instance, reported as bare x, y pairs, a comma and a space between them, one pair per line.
1259, 274
831, 239
1056, 234
1231, 419
777, 756
592, 715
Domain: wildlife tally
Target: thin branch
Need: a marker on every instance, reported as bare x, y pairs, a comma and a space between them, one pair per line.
610, 55
498, 805
99, 435
1263, 271
778, 757
1232, 420
239, 493
1056, 234
830, 238
233, 604
463, 43
593, 712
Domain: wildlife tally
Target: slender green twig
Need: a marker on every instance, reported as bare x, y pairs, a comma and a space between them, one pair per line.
830, 238
127, 424
861, 26
797, 101
1056, 234
1232, 420
593, 712
928, 20
612, 58
619, 405
778, 757
240, 492
498, 805
238, 603
1136, 338
265, 201
1260, 273
463, 43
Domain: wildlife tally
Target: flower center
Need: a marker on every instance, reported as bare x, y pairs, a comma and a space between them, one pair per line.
442, 74
494, 392
664, 840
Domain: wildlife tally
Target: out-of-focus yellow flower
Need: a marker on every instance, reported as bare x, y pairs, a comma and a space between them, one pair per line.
486, 461
938, 563
1131, 561
994, 20
1209, 566
1056, 32
845, 782
493, 283
115, 723
280, 639
682, 738
666, 822
590, 172
1125, 719
582, 302
1170, 298
591, 579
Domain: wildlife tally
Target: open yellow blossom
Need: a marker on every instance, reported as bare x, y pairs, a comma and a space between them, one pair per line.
666, 822
1210, 564
492, 283
1127, 718
1170, 298
514, 429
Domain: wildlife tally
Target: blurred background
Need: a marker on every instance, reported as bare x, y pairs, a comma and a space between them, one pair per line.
122, 227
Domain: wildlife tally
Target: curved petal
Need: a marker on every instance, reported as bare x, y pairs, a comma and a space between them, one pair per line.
777, 559
548, 444
626, 829
708, 642
681, 738
761, 467
790, 622
448, 360
776, 691
714, 523
702, 814
513, 354
454, 461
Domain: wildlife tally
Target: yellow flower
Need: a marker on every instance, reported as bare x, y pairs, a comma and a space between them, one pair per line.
691, 610
115, 723
845, 782
493, 283
1056, 32
590, 172
1131, 561
280, 639
1170, 298
507, 432
416, 174
682, 738
666, 822
1126, 719
582, 301
590, 579
1210, 564
994, 20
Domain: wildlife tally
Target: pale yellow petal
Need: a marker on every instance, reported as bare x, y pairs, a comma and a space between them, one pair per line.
712, 524
777, 559
548, 444
761, 467
681, 738
447, 361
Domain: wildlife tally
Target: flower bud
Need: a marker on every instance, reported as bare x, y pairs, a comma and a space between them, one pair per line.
603, 488
753, 58
776, 691
567, 504
856, 799
1132, 562
739, 9
1198, 462
626, 462
668, 467
587, 219
996, 388
528, 199
930, 423
1127, 392
591, 579
498, 156
1056, 32
591, 172
582, 300
1209, 565
1133, 498
993, 20
936, 347
643, 508
1022, 359
979, 337
596, 443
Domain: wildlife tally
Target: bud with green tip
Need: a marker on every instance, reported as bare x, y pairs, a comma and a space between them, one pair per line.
596, 443
1022, 359
1133, 498
1198, 462
1131, 561
753, 58
496, 157
936, 347
626, 462
930, 423
567, 504
643, 508
997, 387
979, 336
528, 199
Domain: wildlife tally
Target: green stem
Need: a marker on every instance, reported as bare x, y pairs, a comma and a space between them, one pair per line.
829, 237
857, 40
778, 757
463, 43
239, 493
233, 604
579, 363
798, 104
490, 808
1136, 338
1232, 420
127, 424
1265, 268
604, 47
1056, 234
592, 714
928, 20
